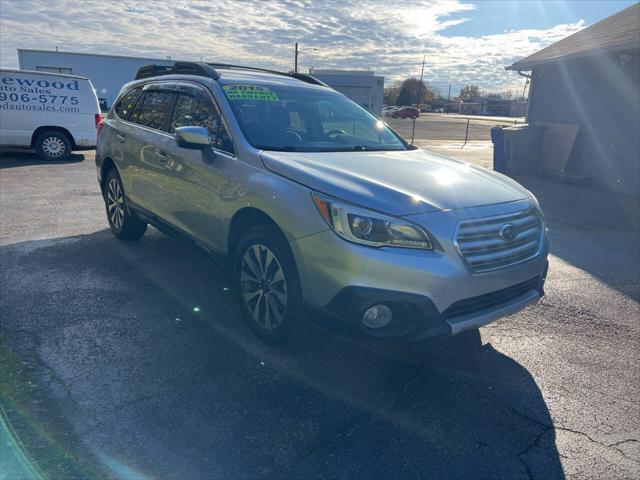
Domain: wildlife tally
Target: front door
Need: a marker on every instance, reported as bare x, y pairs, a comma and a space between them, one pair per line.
199, 177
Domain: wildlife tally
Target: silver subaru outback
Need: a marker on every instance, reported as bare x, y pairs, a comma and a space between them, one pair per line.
317, 204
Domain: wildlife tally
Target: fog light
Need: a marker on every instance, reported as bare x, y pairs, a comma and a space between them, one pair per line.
377, 316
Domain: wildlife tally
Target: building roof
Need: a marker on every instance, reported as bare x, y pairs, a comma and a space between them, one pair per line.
321, 71
86, 54
40, 73
619, 32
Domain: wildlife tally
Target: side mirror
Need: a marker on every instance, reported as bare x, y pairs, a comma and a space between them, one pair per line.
195, 138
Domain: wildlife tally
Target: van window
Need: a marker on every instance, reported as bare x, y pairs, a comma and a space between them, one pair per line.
126, 102
196, 109
155, 105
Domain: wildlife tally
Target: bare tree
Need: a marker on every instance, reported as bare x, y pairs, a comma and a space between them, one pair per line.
412, 91
469, 91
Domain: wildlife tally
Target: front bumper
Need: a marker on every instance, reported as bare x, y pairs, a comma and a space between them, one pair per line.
415, 317
433, 292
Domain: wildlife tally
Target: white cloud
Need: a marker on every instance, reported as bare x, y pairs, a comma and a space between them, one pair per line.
378, 35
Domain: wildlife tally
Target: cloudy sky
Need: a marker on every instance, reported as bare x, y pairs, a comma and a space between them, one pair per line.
464, 41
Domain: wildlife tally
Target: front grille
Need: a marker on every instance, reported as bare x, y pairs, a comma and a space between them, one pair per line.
484, 247
491, 300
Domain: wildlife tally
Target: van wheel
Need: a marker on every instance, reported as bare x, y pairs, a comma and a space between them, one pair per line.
124, 224
266, 283
52, 145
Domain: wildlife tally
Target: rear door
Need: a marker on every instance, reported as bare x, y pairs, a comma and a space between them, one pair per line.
198, 178
143, 139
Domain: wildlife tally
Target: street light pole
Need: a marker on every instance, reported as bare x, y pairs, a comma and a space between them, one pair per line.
295, 64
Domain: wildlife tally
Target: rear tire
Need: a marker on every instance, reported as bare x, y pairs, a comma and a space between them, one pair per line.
53, 146
266, 283
124, 224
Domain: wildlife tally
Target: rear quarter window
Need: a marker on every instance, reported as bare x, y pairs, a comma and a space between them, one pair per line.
126, 103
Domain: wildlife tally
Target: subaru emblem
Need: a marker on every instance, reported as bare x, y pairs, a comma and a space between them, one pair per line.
508, 232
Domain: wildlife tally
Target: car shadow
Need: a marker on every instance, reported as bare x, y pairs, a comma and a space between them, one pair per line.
23, 158
141, 349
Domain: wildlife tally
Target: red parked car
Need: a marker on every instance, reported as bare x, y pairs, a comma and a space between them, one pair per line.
405, 112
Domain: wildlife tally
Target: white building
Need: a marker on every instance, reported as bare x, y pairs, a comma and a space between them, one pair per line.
109, 72
362, 86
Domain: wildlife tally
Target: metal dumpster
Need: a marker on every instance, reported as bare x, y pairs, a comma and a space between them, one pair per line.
516, 149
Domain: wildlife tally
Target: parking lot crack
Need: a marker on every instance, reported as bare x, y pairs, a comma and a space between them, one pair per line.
548, 427
530, 447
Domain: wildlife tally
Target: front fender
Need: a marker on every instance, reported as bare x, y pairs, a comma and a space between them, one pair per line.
286, 202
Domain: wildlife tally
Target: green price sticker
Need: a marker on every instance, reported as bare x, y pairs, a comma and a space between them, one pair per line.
250, 92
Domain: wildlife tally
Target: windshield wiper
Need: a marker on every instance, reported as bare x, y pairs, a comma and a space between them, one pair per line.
358, 148
286, 148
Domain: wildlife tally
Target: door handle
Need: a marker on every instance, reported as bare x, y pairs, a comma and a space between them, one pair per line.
162, 157
121, 137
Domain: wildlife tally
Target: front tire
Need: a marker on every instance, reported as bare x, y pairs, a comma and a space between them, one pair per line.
53, 146
124, 224
266, 283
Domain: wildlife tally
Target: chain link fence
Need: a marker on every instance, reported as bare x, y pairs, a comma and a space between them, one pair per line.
462, 137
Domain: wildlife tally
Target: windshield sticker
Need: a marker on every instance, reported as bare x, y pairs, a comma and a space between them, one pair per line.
249, 92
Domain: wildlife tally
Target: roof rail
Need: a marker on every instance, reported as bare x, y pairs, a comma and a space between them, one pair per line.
208, 70
184, 68
150, 71
299, 76
305, 77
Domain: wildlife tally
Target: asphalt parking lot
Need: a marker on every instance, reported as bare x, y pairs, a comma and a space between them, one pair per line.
131, 360
445, 134
451, 127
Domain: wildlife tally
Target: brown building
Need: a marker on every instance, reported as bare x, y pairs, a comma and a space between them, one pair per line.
591, 79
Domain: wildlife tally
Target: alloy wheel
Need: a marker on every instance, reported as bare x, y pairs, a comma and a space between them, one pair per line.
263, 286
53, 147
115, 203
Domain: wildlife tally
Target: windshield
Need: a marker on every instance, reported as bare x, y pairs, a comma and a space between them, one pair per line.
286, 118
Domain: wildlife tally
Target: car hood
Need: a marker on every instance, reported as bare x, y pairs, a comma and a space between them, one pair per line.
398, 183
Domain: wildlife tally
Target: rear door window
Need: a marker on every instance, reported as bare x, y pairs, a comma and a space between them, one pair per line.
154, 108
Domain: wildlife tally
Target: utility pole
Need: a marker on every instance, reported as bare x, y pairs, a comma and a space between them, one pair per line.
524, 90
297, 51
413, 129
421, 75
449, 94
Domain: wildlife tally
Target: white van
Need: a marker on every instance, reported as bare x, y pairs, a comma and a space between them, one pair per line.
50, 112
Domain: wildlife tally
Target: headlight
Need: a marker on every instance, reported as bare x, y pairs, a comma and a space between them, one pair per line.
370, 228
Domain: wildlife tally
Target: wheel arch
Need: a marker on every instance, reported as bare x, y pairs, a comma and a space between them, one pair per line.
243, 220
107, 164
45, 128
